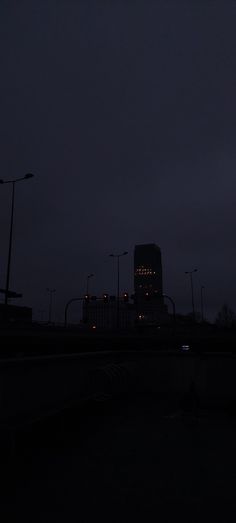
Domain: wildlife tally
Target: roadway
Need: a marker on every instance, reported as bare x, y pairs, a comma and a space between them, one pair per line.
118, 436
137, 458
33, 387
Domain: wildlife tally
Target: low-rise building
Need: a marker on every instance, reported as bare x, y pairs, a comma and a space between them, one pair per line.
15, 314
105, 313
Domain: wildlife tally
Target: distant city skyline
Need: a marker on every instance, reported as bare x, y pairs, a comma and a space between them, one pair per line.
126, 115
110, 287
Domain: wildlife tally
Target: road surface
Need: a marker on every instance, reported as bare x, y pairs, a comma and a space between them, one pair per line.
122, 461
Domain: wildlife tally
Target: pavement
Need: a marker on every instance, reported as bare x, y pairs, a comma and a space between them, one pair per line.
124, 460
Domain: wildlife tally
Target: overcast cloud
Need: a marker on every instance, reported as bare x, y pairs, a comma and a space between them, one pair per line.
126, 114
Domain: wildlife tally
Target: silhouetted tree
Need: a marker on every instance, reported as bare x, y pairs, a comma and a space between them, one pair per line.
226, 317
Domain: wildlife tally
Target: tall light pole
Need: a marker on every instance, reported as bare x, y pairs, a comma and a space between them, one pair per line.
87, 284
13, 182
191, 280
51, 292
202, 313
118, 256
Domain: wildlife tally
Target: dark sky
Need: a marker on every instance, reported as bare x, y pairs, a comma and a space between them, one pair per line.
125, 111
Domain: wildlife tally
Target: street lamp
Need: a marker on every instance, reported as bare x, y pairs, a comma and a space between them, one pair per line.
51, 292
191, 280
13, 182
118, 256
87, 285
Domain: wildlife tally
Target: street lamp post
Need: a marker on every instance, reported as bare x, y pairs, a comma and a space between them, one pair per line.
13, 182
191, 280
51, 292
118, 256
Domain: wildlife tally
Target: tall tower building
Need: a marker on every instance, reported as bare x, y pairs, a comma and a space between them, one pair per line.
148, 282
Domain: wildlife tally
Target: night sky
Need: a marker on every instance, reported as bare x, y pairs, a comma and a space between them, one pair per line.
125, 111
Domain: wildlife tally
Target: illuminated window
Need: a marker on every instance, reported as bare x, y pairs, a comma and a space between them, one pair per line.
144, 271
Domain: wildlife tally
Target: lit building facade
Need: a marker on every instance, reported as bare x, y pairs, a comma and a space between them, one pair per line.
148, 284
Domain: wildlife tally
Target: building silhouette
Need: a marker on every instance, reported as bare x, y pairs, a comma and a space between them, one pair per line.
148, 286
15, 314
147, 306
102, 313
